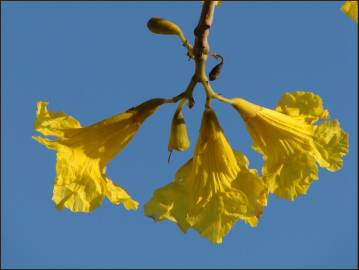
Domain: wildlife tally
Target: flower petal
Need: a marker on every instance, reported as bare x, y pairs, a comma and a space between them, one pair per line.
350, 8
79, 192
80, 184
214, 218
302, 105
53, 123
331, 144
291, 176
171, 201
254, 189
118, 195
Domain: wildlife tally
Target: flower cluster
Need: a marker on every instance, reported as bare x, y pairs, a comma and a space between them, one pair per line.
216, 187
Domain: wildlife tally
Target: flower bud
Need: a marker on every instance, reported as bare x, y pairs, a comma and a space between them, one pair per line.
178, 138
213, 75
161, 26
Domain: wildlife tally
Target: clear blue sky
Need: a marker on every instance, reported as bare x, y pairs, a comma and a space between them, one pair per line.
92, 60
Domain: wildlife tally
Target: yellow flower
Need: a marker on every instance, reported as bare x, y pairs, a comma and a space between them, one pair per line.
178, 137
213, 189
290, 142
350, 8
83, 153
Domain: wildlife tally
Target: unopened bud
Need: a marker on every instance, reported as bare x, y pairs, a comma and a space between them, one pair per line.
161, 26
178, 138
213, 75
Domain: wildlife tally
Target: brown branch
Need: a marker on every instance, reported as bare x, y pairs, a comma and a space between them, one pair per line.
201, 46
201, 32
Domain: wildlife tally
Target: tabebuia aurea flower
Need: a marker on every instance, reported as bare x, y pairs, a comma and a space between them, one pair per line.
291, 143
350, 8
84, 152
212, 190
216, 187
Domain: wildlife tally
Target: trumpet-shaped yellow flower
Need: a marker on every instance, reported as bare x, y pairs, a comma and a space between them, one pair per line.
350, 8
290, 142
83, 153
213, 189
178, 137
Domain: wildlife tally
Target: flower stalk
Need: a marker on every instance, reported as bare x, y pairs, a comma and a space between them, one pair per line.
201, 51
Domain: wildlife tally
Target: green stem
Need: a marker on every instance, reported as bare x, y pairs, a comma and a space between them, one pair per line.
200, 52
180, 105
188, 46
213, 94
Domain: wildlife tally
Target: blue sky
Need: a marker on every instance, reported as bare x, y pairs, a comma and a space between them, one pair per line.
92, 60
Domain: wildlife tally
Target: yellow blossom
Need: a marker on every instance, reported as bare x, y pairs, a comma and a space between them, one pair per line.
83, 153
350, 8
213, 189
290, 142
178, 137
